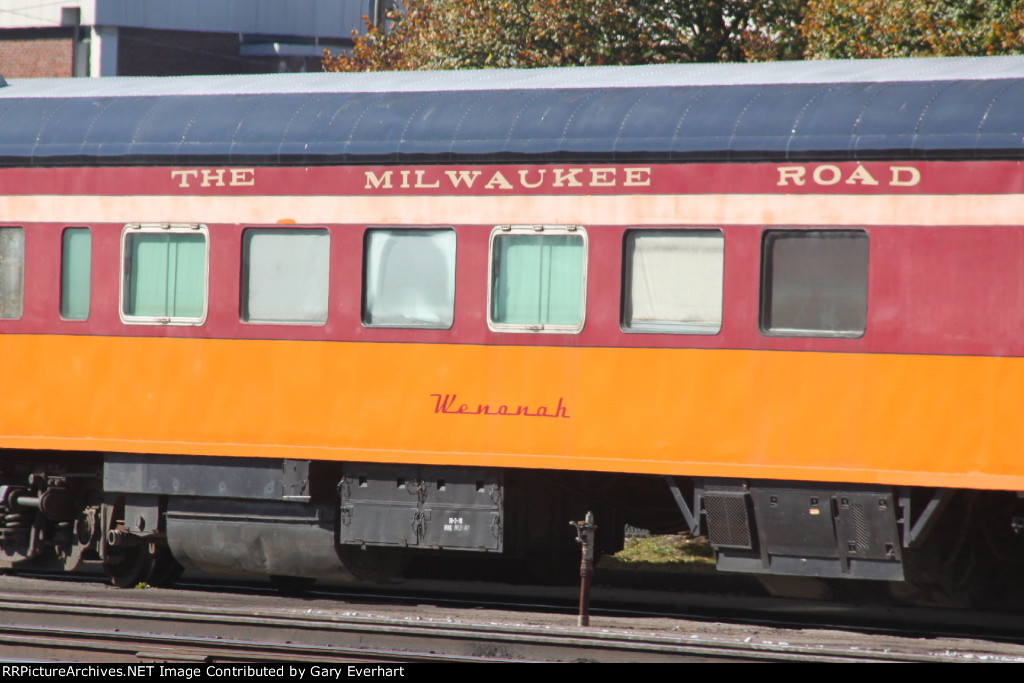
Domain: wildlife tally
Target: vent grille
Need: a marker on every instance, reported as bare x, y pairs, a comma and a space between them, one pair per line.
861, 528
728, 521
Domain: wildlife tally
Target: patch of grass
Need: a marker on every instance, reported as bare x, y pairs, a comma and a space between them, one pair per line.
674, 552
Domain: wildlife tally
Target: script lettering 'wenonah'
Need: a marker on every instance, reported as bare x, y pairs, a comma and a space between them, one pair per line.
448, 404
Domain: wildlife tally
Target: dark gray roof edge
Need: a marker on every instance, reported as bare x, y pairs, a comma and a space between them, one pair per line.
656, 115
659, 75
85, 158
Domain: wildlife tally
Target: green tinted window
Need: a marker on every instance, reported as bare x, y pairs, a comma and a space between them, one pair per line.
537, 280
75, 274
165, 275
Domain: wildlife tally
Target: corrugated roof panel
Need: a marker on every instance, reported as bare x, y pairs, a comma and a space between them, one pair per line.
769, 120
434, 124
610, 112
1004, 109
657, 115
544, 118
484, 127
709, 123
666, 113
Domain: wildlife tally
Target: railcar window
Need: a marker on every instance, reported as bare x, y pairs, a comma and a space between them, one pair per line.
165, 274
814, 283
409, 278
673, 281
75, 273
285, 275
538, 279
12, 272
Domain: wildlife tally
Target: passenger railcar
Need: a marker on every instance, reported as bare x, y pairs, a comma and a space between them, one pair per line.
311, 325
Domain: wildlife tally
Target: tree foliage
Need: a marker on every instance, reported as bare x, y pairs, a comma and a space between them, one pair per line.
913, 28
450, 34
445, 34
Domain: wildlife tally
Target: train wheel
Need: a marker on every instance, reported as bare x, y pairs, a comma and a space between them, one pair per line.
135, 567
166, 570
951, 568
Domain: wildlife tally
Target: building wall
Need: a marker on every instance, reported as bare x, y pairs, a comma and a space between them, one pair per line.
312, 18
42, 53
35, 14
152, 52
160, 38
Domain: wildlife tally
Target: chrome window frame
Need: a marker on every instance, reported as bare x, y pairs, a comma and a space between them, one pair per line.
520, 328
141, 228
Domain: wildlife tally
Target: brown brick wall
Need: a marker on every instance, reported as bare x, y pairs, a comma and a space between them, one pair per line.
150, 52
42, 57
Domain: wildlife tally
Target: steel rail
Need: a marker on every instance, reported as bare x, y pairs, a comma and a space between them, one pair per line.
146, 631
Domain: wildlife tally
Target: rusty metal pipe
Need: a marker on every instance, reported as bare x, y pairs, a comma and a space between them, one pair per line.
585, 537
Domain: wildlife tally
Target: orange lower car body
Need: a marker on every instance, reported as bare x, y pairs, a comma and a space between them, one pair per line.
940, 421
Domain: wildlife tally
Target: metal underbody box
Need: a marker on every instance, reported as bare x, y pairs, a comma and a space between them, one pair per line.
803, 529
427, 507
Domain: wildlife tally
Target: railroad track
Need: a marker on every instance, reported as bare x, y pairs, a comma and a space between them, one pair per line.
91, 623
151, 633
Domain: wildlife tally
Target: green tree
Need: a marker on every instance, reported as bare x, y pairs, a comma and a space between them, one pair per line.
912, 28
445, 34
718, 30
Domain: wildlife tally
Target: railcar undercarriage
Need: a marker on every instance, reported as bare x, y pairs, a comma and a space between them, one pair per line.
934, 546
147, 518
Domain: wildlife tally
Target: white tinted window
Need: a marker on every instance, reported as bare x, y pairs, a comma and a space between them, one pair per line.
673, 281
12, 272
285, 275
409, 278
